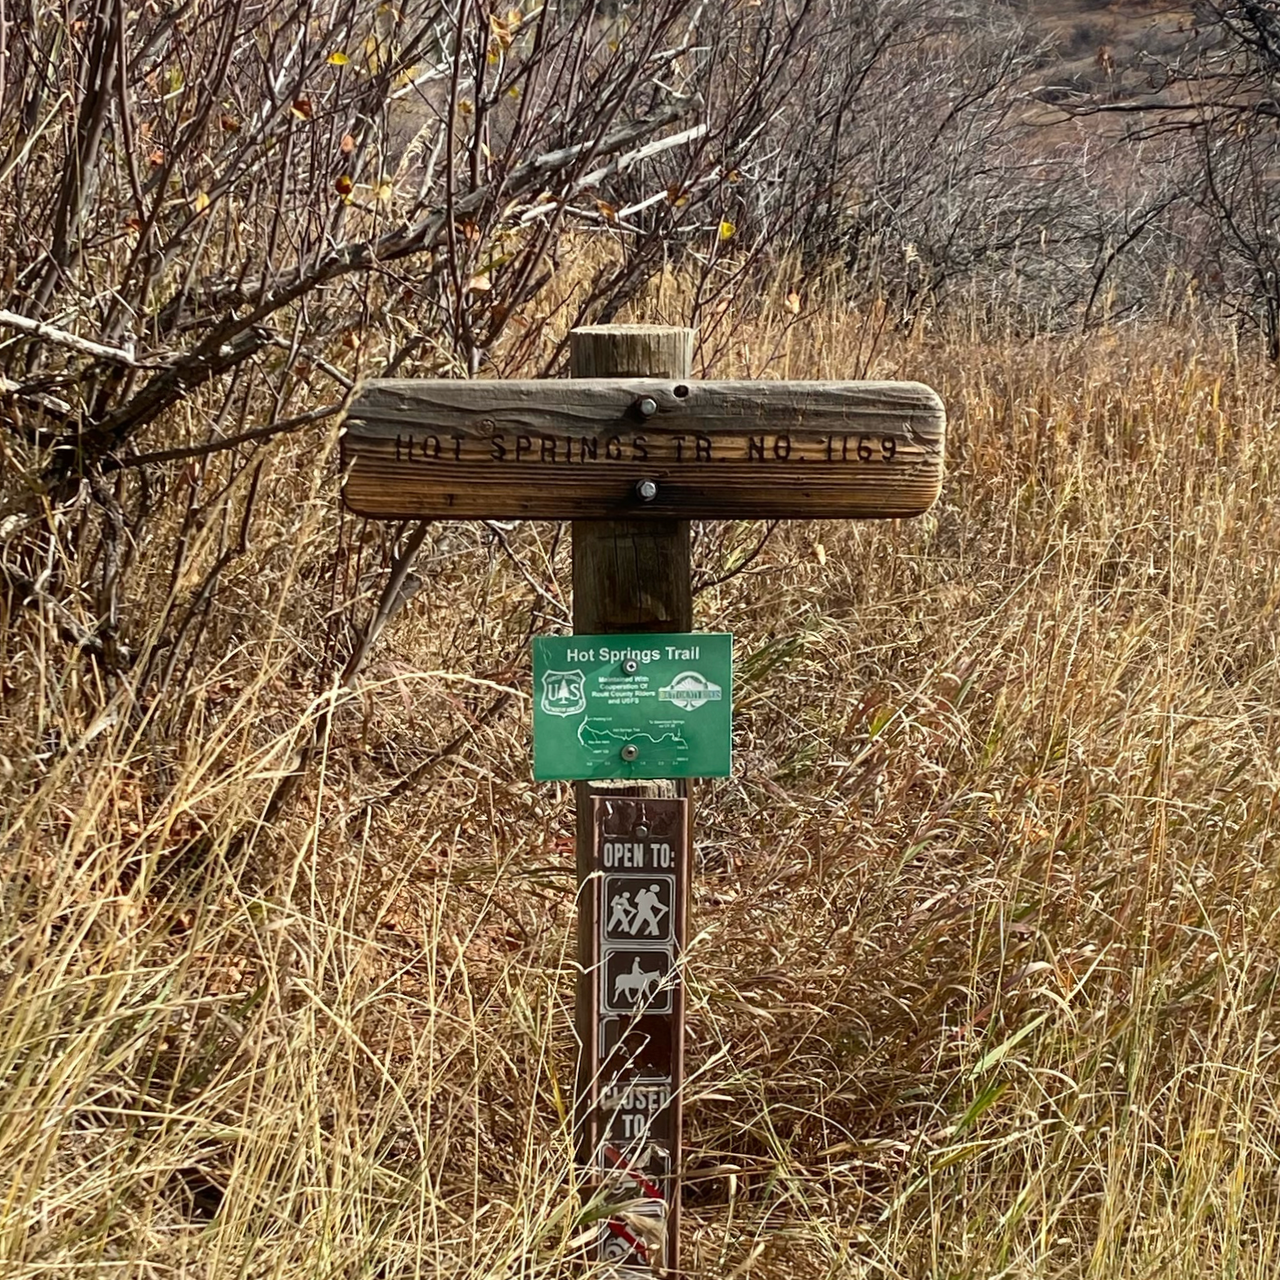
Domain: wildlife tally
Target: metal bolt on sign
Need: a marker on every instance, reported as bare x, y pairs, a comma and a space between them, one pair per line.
630, 449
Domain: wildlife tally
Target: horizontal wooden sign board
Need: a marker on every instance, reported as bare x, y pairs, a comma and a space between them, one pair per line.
627, 448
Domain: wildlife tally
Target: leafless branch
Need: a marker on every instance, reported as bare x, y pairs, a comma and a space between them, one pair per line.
72, 341
256, 436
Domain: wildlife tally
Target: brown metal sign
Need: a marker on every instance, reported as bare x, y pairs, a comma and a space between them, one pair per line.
627, 448
633, 1041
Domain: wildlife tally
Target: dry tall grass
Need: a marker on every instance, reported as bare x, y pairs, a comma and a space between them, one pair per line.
986, 920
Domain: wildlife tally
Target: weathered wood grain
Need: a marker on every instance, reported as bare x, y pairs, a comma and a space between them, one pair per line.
630, 576
581, 449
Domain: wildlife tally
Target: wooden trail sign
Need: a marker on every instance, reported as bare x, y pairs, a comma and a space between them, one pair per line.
619, 448
630, 449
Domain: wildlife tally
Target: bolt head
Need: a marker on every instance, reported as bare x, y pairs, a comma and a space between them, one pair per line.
630, 751
646, 406
631, 666
646, 490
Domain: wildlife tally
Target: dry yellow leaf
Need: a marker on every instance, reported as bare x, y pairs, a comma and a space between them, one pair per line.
502, 36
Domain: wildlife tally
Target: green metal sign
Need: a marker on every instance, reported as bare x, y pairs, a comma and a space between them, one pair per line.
647, 706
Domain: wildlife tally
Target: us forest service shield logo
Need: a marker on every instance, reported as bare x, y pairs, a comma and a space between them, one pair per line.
690, 690
564, 693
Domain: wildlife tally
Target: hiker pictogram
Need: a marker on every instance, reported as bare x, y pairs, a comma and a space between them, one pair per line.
639, 907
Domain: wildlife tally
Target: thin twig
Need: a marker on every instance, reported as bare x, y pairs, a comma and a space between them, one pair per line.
648, 151
742, 564
499, 533
33, 596
230, 442
319, 362
450, 748
73, 341
393, 597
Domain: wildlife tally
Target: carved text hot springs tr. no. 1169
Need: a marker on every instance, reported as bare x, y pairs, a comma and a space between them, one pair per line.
612, 448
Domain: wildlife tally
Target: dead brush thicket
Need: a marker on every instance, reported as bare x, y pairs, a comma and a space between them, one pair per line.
986, 919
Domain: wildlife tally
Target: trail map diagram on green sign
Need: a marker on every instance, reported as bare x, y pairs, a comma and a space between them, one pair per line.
632, 706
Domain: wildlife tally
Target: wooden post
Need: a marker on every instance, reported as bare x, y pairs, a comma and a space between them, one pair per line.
628, 576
